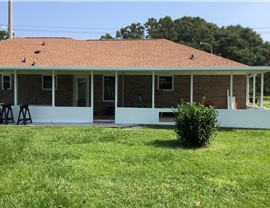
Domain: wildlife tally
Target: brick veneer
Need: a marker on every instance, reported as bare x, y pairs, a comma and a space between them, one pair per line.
30, 90
171, 98
6, 96
213, 87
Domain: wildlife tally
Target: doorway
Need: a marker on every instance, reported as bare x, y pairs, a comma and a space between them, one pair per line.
81, 91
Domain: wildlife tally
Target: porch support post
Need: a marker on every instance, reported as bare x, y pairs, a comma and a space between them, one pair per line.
123, 90
254, 89
262, 83
92, 89
116, 90
53, 89
153, 89
191, 88
15, 89
247, 90
231, 90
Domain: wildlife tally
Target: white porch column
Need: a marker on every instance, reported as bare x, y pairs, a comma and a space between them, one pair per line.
231, 90
247, 90
262, 83
15, 89
191, 88
254, 89
116, 90
153, 89
92, 89
53, 89
123, 89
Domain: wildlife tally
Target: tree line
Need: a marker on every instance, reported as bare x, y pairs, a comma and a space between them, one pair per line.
241, 44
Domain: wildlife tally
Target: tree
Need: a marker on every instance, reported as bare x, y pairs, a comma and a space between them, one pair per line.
107, 36
163, 28
242, 44
194, 30
134, 31
3, 35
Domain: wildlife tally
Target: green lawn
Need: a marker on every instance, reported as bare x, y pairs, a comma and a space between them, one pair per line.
266, 105
266, 98
105, 167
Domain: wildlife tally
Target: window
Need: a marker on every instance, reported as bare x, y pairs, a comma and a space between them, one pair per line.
47, 82
6, 82
165, 83
108, 88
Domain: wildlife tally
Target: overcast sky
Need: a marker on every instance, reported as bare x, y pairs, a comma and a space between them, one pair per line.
90, 19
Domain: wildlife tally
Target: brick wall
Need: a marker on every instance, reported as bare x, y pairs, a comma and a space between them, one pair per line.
7, 96
135, 85
30, 90
171, 98
64, 93
214, 88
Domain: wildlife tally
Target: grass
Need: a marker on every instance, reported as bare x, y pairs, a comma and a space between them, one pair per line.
266, 105
105, 167
266, 98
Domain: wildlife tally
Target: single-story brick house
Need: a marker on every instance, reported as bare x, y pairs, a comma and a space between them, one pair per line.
122, 81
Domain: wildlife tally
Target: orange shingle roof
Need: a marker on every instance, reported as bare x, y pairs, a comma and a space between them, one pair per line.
105, 53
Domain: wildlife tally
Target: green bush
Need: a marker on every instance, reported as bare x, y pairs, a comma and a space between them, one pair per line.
195, 123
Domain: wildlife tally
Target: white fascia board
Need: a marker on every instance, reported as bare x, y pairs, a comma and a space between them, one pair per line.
258, 69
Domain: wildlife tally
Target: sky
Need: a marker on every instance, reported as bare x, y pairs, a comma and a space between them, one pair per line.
84, 19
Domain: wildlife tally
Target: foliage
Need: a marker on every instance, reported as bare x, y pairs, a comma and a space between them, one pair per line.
3, 35
195, 123
241, 44
135, 167
134, 31
107, 36
238, 43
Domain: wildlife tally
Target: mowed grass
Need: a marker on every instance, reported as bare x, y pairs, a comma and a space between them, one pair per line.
111, 167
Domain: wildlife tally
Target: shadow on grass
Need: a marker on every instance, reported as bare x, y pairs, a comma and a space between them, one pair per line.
173, 144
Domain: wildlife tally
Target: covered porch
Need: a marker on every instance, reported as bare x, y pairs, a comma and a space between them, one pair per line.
86, 100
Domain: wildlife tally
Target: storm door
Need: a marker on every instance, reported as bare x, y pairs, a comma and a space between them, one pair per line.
82, 91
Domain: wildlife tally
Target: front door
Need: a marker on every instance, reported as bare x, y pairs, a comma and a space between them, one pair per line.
82, 91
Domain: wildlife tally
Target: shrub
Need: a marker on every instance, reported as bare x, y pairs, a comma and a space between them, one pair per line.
195, 123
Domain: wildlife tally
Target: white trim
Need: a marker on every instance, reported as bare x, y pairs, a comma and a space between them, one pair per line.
103, 100
15, 89
191, 88
10, 85
92, 90
262, 88
158, 87
116, 91
153, 89
123, 89
231, 91
254, 90
115, 68
247, 90
53, 88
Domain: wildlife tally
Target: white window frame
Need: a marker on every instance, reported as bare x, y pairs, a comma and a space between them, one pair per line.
172, 82
103, 88
10, 83
47, 75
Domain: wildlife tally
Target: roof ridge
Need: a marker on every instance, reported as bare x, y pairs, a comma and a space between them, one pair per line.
44, 38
